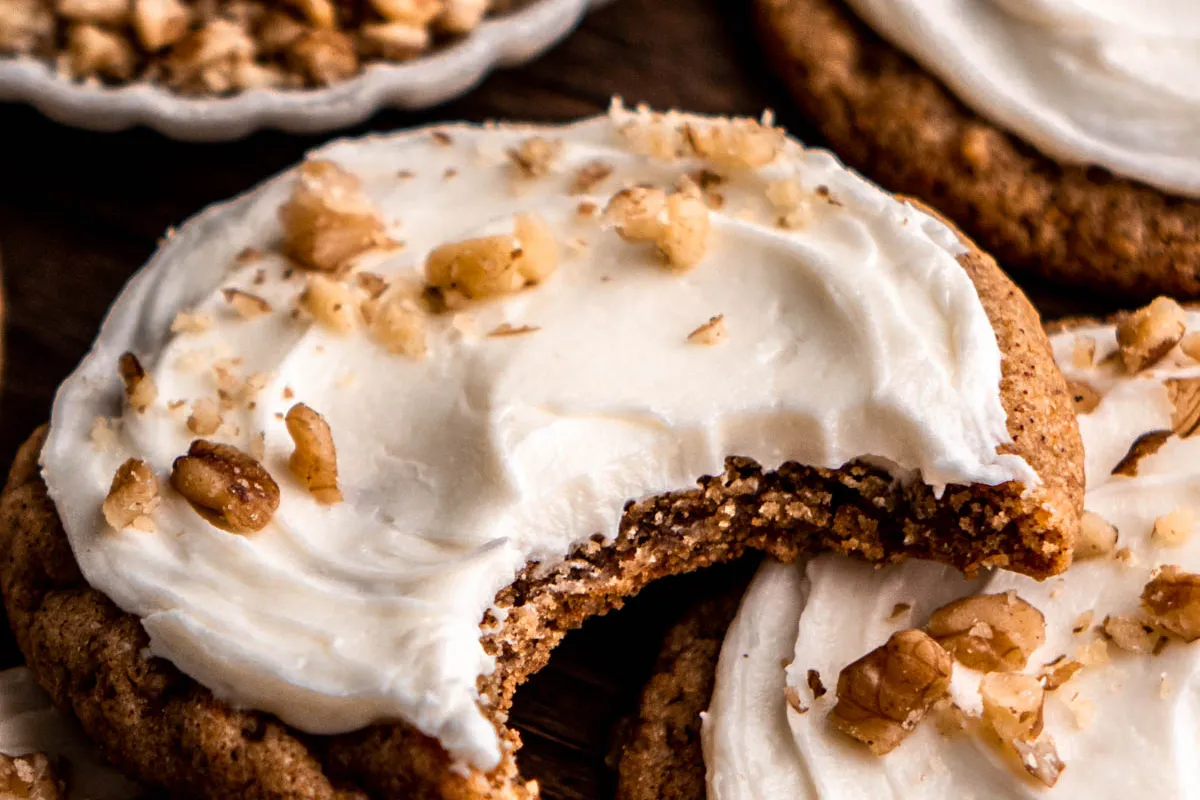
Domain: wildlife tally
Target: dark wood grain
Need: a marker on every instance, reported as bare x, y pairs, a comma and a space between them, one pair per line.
79, 212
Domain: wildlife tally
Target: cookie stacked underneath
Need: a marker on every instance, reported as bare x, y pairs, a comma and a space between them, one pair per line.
353, 452
1064, 688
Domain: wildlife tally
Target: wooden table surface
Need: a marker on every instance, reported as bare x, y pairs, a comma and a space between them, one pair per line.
81, 211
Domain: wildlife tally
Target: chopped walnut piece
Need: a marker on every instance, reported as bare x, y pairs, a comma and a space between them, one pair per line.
1145, 445
735, 143
684, 239
92, 50
328, 220
314, 461
394, 41
1012, 704
247, 305
710, 332
589, 176
133, 495
882, 696
1055, 674
1172, 600
205, 418
1086, 398
371, 283
1083, 622
318, 13
788, 199
159, 23
32, 777
1131, 635
209, 58
277, 31
815, 685
461, 16
792, 697
1040, 759
323, 57
226, 486
1184, 394
1175, 527
1149, 333
1190, 345
26, 26
1083, 352
477, 268
505, 330
989, 632
1097, 537
535, 157
638, 213
330, 302
1093, 654
414, 12
538, 258
192, 322
100, 12
398, 325
140, 390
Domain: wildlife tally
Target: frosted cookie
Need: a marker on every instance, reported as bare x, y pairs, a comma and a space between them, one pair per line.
353, 452
837, 679
44, 755
1062, 136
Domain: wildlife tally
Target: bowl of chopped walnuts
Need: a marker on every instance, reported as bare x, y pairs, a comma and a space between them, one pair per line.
213, 70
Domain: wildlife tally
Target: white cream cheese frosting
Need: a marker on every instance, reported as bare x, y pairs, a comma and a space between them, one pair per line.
1128, 728
30, 724
1110, 83
856, 335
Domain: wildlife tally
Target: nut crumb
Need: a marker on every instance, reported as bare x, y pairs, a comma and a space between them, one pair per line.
1084, 396
899, 609
398, 325
815, 685
314, 460
1145, 445
191, 322
1058, 672
1083, 622
330, 302
205, 418
1148, 334
103, 434
1174, 528
140, 390
589, 176
710, 333
247, 305
1097, 537
505, 330
1184, 394
132, 497
1040, 759
1172, 601
884, 695
1083, 352
792, 697
328, 221
535, 157
1093, 654
792, 206
1012, 705
1131, 635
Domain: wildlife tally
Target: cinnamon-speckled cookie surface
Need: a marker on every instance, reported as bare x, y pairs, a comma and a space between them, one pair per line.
896, 123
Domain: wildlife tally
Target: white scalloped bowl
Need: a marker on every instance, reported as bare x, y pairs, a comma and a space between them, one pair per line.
445, 73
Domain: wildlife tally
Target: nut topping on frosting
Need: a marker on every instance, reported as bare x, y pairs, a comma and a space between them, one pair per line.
589, 176
397, 323
1145, 445
1130, 634
1083, 352
33, 777
989, 632
1172, 599
1190, 345
678, 224
491, 266
246, 304
882, 696
1097, 537
1149, 333
225, 486
314, 461
328, 220
1086, 398
1055, 674
139, 386
710, 332
1040, 759
132, 497
1175, 527
535, 157
331, 303
1012, 704
205, 418
1184, 394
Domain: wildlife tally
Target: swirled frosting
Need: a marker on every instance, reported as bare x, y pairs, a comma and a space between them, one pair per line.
1109, 83
857, 334
1124, 728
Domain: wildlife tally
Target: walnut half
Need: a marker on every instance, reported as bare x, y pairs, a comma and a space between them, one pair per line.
314, 461
989, 632
226, 486
882, 696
